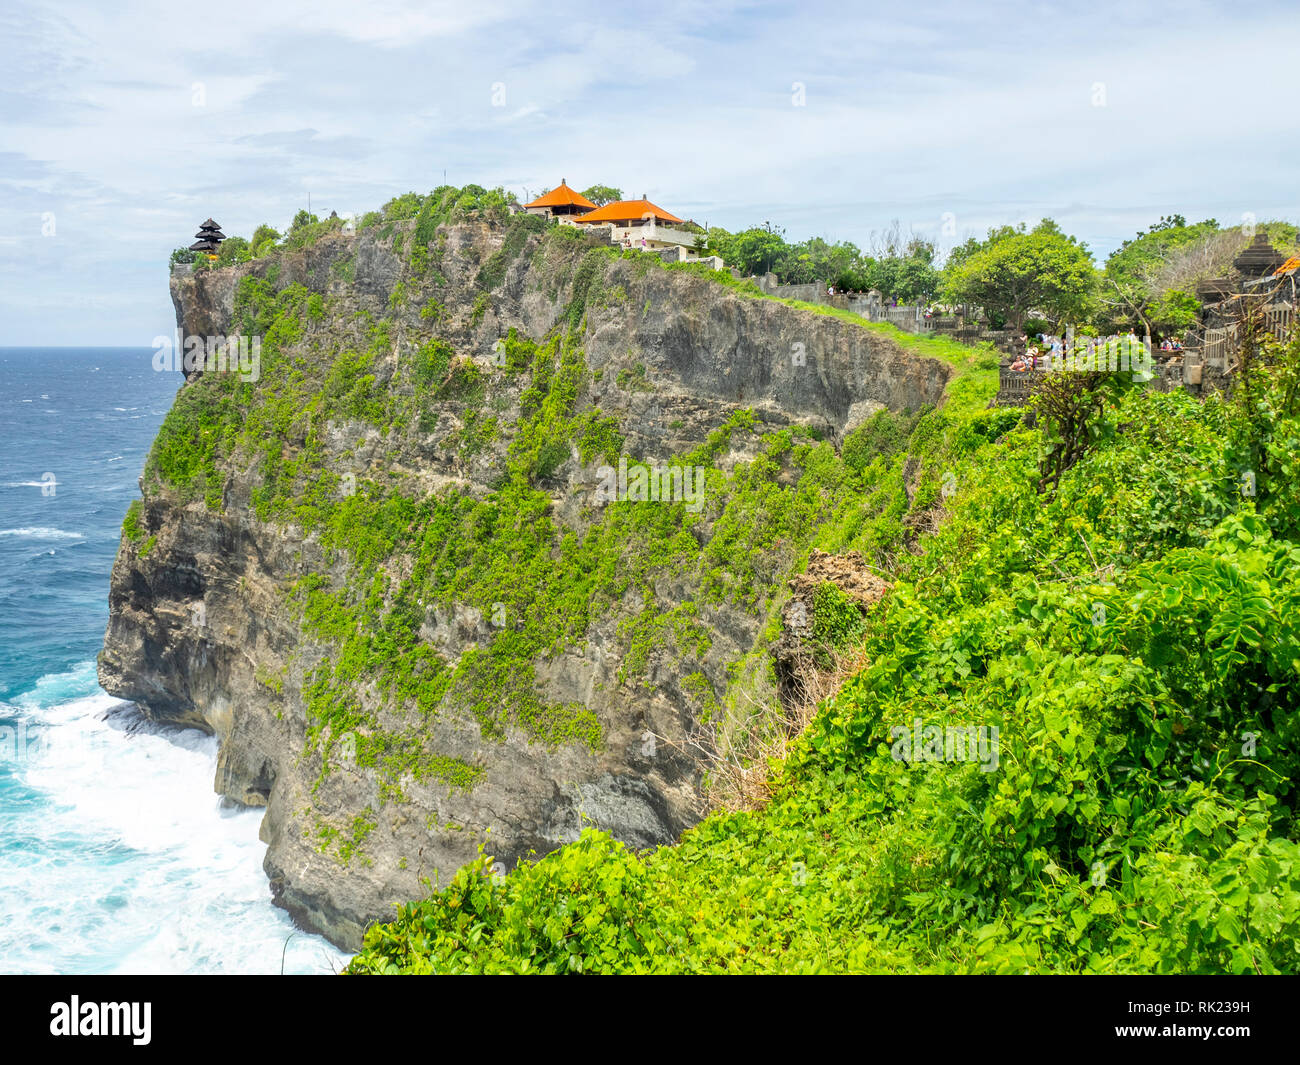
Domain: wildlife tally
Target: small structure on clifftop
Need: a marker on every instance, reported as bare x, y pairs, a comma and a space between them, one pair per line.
561, 203
646, 226
639, 224
1259, 259
210, 238
628, 224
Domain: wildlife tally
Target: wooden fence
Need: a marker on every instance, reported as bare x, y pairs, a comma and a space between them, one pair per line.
1223, 342
1014, 388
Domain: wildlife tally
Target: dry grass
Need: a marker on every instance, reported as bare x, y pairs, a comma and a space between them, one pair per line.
742, 760
924, 522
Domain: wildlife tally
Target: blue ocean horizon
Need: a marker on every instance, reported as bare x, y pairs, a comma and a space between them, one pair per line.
116, 855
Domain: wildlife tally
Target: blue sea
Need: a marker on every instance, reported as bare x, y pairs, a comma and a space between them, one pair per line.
116, 856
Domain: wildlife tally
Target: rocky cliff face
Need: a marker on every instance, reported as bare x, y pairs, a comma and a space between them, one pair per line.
348, 684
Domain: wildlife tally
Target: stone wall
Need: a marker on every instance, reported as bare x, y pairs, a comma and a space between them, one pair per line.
965, 329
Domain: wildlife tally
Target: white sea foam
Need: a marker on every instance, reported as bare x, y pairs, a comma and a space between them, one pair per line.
42, 532
129, 862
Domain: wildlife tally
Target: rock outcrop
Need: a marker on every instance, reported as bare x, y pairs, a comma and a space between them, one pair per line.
203, 630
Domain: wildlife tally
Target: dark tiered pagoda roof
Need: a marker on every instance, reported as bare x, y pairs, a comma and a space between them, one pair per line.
210, 236
1259, 258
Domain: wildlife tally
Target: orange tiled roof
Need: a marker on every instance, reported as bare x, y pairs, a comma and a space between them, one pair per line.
628, 210
561, 196
1292, 263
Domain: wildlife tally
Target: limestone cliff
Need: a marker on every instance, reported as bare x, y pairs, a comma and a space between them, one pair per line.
380, 576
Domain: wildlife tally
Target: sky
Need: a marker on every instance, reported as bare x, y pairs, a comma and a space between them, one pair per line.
124, 125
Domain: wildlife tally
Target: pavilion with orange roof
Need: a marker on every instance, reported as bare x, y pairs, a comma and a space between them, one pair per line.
629, 224
642, 225
561, 202
629, 213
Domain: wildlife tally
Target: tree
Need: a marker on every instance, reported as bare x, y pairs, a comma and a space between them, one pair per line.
603, 194
1071, 411
756, 250
408, 204
815, 259
973, 246
1150, 278
836, 264
718, 242
264, 238
301, 221
1175, 312
1133, 289
233, 250
906, 273
904, 264
1042, 269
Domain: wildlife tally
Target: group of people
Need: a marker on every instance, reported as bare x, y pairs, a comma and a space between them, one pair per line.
1035, 357
1046, 350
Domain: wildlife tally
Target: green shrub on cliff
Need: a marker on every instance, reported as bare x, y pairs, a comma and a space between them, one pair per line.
518, 230
234, 250
131, 523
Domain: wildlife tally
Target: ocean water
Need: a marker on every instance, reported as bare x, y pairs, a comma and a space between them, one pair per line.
116, 856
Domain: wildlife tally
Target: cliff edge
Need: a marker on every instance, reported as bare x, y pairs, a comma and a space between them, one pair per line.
402, 570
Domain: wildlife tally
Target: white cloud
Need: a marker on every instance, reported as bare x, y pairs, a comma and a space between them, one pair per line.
388, 23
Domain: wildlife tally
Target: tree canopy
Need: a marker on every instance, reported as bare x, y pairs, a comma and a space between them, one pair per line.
264, 238
1016, 270
603, 194
903, 267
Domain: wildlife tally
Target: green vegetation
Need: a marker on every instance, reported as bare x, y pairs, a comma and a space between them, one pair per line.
520, 227
1148, 284
1134, 636
131, 528
1101, 593
234, 250
445, 204
264, 238
603, 194
1038, 279
901, 267
371, 679
306, 229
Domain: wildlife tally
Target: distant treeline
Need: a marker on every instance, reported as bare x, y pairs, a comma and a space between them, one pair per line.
1035, 279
